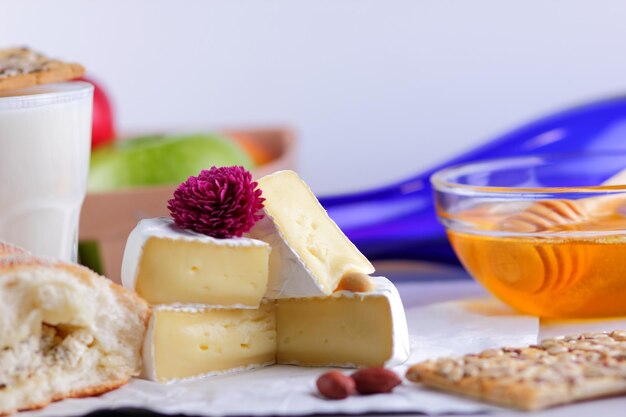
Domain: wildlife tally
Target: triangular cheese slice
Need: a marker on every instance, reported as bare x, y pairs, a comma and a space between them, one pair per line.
310, 253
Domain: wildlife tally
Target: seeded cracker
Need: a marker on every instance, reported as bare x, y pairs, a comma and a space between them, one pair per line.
558, 371
23, 67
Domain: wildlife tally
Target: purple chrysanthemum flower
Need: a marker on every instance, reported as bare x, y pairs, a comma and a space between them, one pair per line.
220, 202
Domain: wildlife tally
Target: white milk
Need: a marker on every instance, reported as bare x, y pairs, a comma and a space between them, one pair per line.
45, 139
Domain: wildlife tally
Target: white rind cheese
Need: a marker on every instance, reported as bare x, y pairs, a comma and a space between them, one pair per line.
188, 268
289, 275
200, 341
400, 329
310, 253
361, 329
344, 335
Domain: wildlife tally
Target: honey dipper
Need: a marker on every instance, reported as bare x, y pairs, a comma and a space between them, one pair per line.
548, 267
546, 215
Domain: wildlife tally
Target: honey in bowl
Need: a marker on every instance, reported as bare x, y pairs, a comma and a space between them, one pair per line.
552, 258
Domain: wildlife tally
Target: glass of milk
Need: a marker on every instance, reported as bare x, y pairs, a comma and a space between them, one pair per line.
45, 141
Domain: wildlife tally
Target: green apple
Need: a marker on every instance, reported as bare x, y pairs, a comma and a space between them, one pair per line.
160, 160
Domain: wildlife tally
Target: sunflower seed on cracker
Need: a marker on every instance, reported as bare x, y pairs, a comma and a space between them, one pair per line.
557, 371
23, 67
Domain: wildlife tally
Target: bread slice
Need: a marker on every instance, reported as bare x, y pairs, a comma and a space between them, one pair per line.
6, 249
64, 331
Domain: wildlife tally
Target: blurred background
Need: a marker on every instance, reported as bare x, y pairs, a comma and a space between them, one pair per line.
375, 90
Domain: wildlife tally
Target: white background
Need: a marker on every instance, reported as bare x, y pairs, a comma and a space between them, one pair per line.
376, 90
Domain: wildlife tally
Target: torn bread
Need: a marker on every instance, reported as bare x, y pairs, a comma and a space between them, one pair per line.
6, 249
64, 331
23, 67
558, 371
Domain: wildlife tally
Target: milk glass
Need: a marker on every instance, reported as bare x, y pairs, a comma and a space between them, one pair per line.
45, 140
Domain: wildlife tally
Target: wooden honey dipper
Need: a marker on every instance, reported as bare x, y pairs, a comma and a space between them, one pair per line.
545, 215
548, 215
542, 268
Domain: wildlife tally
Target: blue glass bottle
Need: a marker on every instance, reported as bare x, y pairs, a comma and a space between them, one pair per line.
398, 221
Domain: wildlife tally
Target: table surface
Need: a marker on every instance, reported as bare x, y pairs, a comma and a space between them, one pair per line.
423, 284
426, 284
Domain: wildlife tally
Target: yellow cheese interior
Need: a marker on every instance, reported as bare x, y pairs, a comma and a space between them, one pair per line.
334, 331
176, 271
189, 344
308, 230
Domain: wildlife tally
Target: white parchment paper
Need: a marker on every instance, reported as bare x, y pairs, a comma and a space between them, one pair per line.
553, 327
450, 328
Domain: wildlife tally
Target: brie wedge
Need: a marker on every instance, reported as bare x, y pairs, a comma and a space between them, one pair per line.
168, 265
310, 253
346, 329
185, 343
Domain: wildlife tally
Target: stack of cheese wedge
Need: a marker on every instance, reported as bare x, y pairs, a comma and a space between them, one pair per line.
281, 295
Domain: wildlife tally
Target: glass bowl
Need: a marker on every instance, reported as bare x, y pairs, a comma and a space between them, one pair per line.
545, 234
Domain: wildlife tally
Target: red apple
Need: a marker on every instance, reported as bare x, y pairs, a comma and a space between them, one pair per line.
103, 127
